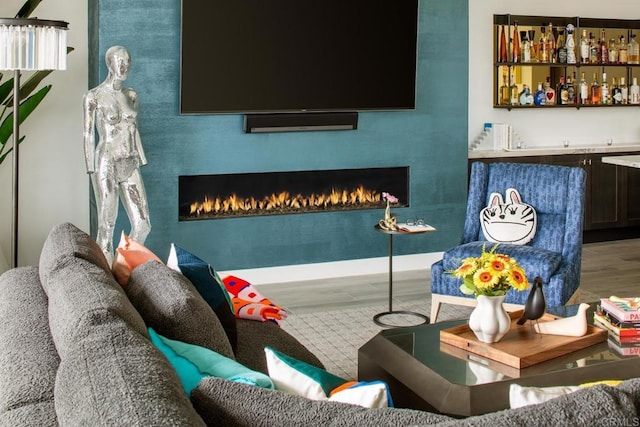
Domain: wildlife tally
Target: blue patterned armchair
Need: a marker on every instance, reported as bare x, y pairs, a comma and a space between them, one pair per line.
554, 254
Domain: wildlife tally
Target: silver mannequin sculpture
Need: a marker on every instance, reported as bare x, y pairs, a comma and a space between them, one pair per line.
114, 153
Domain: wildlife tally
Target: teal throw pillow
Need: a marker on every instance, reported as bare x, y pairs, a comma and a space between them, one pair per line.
209, 285
193, 363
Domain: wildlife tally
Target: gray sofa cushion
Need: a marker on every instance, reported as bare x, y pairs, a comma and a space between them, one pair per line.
41, 414
28, 358
109, 373
225, 403
112, 375
171, 305
595, 406
254, 336
64, 243
78, 290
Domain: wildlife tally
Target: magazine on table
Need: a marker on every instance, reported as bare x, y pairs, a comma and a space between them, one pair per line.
415, 228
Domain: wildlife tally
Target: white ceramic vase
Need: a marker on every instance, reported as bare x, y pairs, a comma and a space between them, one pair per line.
489, 321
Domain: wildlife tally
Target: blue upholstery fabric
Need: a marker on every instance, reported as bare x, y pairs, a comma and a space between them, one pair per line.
555, 253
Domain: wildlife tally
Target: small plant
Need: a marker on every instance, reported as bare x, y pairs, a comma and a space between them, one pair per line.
389, 198
490, 274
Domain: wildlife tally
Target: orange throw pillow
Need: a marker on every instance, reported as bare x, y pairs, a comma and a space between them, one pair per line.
129, 255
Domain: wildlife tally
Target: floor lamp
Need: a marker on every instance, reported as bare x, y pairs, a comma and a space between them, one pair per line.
28, 45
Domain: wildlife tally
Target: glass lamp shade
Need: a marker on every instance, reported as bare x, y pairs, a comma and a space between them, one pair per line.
33, 44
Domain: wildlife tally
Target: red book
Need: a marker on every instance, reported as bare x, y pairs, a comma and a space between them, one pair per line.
625, 341
621, 311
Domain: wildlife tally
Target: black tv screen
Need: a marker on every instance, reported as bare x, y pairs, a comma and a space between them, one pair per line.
254, 56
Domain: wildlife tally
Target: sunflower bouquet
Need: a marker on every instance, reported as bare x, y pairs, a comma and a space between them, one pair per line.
490, 274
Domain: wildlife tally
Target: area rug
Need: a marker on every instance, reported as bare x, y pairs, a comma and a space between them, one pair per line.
335, 336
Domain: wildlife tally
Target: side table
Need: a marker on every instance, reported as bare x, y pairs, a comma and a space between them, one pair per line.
377, 319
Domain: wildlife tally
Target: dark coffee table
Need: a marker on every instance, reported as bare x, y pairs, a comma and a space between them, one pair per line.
424, 373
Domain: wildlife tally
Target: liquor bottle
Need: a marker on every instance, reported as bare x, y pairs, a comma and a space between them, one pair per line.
526, 47
633, 51
571, 89
585, 98
613, 51
561, 48
513, 91
504, 91
604, 48
502, 57
595, 90
624, 90
604, 91
623, 56
539, 98
526, 98
549, 94
570, 45
543, 46
551, 43
616, 92
563, 92
584, 48
533, 46
634, 92
515, 54
594, 50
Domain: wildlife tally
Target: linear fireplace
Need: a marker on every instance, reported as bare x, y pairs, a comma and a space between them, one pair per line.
279, 193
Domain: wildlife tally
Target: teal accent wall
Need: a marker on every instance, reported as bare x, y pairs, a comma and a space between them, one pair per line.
431, 140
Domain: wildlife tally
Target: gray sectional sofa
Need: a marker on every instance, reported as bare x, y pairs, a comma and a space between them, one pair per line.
74, 351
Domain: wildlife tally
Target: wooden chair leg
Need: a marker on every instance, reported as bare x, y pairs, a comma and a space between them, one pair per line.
435, 308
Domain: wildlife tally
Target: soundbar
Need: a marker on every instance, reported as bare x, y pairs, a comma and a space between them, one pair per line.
299, 122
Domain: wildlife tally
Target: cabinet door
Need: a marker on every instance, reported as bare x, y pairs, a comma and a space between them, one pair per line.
605, 206
632, 195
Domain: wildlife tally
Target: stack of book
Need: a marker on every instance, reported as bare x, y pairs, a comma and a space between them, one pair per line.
622, 320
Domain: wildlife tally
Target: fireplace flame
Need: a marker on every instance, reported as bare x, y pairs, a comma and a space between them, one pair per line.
284, 202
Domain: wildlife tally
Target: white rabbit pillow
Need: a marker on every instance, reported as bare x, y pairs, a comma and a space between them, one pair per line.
511, 222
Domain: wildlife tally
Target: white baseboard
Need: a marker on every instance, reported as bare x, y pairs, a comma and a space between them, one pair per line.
327, 270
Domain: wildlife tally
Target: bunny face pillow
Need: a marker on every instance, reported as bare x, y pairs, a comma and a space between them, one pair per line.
508, 222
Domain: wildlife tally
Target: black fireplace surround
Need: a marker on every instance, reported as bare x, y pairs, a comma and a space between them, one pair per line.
278, 193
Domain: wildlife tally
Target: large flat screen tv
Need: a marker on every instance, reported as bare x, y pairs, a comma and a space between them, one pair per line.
258, 56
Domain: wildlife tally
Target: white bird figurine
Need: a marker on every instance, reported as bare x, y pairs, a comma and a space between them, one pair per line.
574, 326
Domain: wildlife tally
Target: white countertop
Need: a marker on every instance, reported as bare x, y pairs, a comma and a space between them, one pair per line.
630, 161
547, 151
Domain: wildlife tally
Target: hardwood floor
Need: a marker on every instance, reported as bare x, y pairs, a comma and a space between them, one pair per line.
608, 268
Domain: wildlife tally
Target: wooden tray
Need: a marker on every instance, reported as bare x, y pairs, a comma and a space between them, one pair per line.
521, 346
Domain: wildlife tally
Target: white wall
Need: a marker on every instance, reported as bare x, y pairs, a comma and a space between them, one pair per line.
53, 183
588, 126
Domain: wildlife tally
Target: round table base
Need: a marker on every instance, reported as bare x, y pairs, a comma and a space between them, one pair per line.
377, 318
